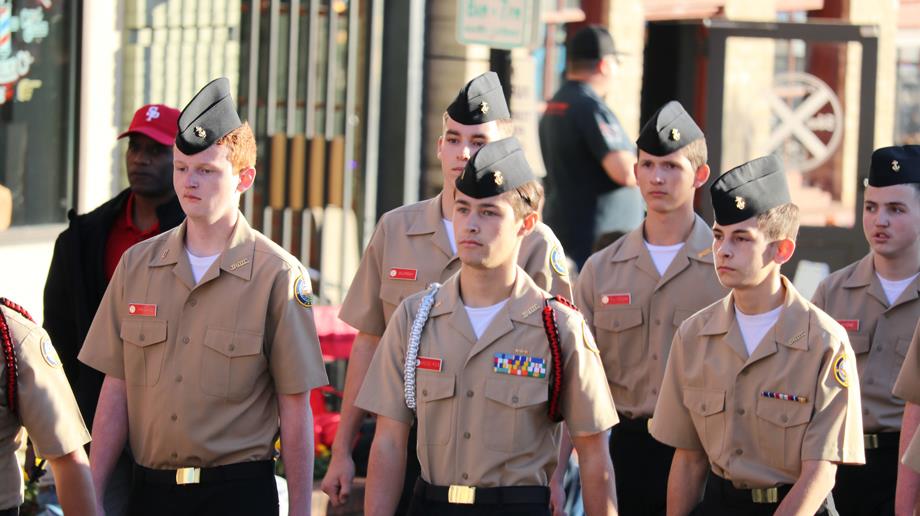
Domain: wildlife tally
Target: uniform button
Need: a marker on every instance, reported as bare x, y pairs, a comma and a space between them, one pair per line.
616, 324
745, 485
192, 302
178, 378
739, 451
655, 391
740, 411
657, 322
424, 392
514, 399
185, 340
469, 394
141, 338
880, 348
870, 381
866, 411
231, 347
703, 407
466, 435
174, 417
628, 414
174, 455
784, 418
465, 476
654, 356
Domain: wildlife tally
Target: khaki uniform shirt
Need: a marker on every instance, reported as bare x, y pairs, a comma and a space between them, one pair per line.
204, 364
47, 408
478, 426
907, 386
634, 311
879, 335
716, 398
410, 249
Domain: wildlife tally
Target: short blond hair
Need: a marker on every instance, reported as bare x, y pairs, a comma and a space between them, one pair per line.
241, 147
525, 199
696, 153
780, 222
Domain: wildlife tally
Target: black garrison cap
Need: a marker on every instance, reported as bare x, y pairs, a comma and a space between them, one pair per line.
895, 165
497, 167
591, 42
209, 116
749, 190
670, 129
481, 100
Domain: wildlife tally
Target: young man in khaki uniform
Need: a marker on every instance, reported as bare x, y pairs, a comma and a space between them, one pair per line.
876, 301
414, 246
35, 395
489, 364
207, 341
912, 461
760, 393
637, 291
907, 387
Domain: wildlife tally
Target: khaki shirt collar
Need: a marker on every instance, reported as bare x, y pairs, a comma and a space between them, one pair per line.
791, 330
864, 275
432, 223
698, 246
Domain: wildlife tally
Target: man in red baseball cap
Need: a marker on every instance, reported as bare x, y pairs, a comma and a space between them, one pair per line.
87, 252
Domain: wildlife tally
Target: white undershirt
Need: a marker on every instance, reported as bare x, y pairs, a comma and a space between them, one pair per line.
894, 288
663, 255
481, 317
449, 227
200, 264
754, 327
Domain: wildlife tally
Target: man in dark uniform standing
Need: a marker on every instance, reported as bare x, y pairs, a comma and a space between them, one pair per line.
589, 159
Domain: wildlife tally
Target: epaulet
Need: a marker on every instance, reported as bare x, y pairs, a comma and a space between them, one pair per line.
563, 301
555, 350
9, 354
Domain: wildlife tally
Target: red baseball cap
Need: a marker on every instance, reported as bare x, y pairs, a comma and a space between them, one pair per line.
159, 122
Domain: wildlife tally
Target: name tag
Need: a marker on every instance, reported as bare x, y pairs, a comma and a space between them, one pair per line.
849, 324
429, 364
403, 274
616, 299
142, 310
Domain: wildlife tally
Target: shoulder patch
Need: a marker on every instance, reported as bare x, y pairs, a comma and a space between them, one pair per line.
302, 292
588, 338
840, 371
50, 354
557, 261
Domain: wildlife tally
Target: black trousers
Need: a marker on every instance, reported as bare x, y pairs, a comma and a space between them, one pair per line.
413, 472
869, 490
238, 497
641, 466
14, 511
422, 506
721, 498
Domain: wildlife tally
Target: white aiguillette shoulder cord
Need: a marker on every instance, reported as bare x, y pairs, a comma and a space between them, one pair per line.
415, 335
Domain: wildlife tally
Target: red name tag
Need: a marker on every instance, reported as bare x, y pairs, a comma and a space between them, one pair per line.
616, 299
849, 324
142, 310
430, 364
403, 274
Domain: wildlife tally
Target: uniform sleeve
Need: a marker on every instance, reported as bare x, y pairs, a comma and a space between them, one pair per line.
586, 400
295, 360
103, 348
912, 455
584, 292
672, 424
602, 131
544, 260
835, 432
908, 385
47, 406
362, 308
383, 389
819, 298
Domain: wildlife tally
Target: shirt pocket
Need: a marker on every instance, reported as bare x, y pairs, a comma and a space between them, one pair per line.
781, 426
619, 335
144, 351
392, 292
707, 410
516, 412
231, 363
435, 408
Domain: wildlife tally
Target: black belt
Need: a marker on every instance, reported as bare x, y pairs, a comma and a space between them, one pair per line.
639, 424
882, 440
482, 495
214, 475
770, 495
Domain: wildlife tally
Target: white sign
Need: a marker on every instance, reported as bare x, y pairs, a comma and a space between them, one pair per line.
499, 23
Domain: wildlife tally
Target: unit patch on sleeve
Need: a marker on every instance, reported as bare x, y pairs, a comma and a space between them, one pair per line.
519, 365
302, 292
840, 370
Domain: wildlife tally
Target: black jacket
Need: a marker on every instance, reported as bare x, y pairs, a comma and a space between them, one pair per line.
75, 286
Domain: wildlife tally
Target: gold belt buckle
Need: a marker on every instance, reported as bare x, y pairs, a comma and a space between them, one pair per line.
188, 476
767, 495
461, 494
870, 441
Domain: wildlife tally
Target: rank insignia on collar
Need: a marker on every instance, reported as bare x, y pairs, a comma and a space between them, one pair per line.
739, 202
519, 365
484, 107
200, 132
895, 166
675, 134
840, 370
239, 264
498, 178
530, 310
302, 292
704, 252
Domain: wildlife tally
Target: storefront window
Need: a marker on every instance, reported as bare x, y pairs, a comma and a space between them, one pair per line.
37, 117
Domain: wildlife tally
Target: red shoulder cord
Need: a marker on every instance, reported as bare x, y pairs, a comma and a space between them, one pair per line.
9, 355
555, 350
